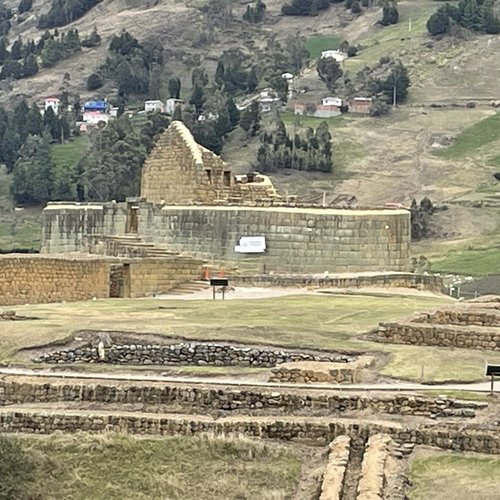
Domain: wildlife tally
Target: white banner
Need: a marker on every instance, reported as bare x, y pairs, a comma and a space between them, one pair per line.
251, 244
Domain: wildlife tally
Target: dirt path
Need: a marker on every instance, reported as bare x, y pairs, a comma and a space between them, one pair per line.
249, 293
386, 387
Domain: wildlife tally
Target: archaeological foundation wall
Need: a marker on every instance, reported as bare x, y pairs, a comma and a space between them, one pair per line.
33, 279
205, 398
301, 240
188, 354
467, 337
65, 225
322, 431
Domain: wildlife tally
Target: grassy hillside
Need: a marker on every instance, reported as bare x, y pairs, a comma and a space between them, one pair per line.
468, 142
455, 476
117, 467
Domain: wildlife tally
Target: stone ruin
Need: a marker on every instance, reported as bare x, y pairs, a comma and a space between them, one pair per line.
469, 325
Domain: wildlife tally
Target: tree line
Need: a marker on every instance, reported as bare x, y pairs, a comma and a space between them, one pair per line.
23, 59
474, 15
390, 14
310, 150
63, 12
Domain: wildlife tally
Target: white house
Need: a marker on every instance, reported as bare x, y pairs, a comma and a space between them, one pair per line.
331, 101
52, 102
154, 106
287, 76
172, 104
338, 55
94, 118
268, 100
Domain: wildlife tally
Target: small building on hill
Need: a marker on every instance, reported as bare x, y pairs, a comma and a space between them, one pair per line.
154, 106
171, 104
94, 118
98, 106
338, 55
362, 105
52, 102
332, 101
317, 110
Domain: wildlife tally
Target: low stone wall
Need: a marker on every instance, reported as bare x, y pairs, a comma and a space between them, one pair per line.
188, 353
312, 372
461, 316
333, 477
205, 398
372, 481
322, 431
35, 279
430, 282
467, 337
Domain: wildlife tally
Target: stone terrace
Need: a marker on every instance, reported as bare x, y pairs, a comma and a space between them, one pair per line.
472, 325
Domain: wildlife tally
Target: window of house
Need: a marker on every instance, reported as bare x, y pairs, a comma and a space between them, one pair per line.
227, 178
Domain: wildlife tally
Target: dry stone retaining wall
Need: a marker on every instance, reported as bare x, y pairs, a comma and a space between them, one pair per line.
320, 430
188, 353
312, 372
461, 316
219, 398
469, 337
37, 279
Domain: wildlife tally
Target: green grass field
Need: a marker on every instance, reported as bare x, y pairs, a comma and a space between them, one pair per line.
473, 138
329, 322
470, 261
318, 43
116, 467
68, 154
447, 476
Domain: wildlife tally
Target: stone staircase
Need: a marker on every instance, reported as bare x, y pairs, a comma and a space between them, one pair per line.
125, 246
189, 288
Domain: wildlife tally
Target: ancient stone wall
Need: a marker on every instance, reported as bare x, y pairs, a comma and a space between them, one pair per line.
179, 170
297, 239
461, 316
306, 372
188, 353
37, 279
468, 337
322, 431
216, 398
65, 225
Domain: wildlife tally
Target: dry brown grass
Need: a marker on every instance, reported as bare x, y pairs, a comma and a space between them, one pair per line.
293, 321
112, 466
